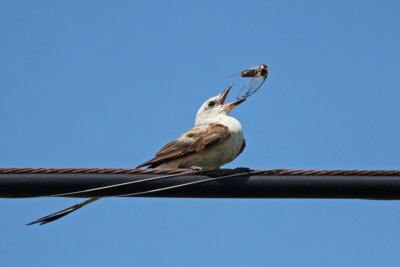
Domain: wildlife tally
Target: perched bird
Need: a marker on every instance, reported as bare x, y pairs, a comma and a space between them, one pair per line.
216, 139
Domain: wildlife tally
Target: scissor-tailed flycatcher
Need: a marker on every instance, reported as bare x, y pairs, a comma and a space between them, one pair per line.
215, 140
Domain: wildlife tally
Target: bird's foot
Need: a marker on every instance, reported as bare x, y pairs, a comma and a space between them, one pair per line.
196, 169
242, 169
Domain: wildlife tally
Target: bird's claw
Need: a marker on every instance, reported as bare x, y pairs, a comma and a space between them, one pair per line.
196, 169
243, 169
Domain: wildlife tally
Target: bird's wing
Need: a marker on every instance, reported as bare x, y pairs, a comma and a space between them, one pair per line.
194, 140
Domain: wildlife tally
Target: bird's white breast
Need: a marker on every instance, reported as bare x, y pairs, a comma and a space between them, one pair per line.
230, 148
225, 151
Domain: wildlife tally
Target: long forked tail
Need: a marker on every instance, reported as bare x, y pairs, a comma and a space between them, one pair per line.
59, 214
62, 213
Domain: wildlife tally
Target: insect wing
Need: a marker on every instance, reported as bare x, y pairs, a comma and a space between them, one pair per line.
251, 86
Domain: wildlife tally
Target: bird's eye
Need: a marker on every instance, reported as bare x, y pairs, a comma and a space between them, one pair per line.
211, 103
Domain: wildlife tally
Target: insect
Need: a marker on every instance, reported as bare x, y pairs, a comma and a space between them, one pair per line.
257, 76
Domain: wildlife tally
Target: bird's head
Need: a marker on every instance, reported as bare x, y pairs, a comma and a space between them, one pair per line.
216, 106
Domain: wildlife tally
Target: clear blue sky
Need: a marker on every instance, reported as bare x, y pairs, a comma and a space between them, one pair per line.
106, 83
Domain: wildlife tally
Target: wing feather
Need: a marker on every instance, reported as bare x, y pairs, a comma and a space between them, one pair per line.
194, 140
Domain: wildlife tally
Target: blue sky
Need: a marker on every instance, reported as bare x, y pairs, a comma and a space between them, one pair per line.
106, 83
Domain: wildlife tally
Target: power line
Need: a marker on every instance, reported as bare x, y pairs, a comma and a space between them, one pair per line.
39, 182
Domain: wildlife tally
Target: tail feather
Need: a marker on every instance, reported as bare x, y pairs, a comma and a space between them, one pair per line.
59, 214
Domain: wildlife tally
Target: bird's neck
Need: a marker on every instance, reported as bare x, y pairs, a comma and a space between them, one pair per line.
221, 119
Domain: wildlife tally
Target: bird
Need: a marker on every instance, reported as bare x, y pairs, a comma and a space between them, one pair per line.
215, 139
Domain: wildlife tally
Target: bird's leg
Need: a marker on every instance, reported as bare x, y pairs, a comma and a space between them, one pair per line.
196, 168
242, 169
